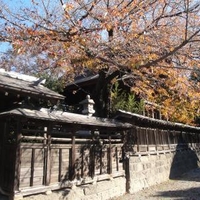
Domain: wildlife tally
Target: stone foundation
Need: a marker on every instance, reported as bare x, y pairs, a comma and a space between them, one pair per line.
148, 170
102, 190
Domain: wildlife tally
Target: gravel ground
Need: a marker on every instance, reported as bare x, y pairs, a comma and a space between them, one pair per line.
186, 187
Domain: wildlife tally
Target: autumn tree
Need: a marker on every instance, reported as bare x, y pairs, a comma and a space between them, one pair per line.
150, 45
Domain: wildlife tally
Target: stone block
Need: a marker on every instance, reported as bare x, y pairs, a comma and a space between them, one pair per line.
48, 192
135, 186
133, 167
107, 195
162, 157
148, 165
118, 191
136, 167
144, 158
119, 182
92, 197
134, 159
75, 194
139, 167
158, 163
133, 174
152, 157
90, 189
18, 197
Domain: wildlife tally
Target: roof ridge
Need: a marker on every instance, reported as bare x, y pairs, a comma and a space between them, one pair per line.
17, 75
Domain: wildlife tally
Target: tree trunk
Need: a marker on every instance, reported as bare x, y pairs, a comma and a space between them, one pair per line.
102, 92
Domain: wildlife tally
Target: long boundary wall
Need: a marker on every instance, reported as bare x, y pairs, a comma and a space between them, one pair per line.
98, 165
149, 170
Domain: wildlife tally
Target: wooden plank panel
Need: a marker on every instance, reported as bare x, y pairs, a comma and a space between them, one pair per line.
104, 164
24, 182
142, 148
65, 175
38, 172
152, 148
39, 164
25, 172
37, 181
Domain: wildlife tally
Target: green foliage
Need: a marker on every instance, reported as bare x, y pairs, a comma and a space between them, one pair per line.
125, 101
54, 83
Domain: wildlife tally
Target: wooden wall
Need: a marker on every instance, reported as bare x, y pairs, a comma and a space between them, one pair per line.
57, 155
151, 140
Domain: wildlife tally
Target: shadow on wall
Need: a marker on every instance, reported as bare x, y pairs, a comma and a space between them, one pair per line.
184, 169
184, 160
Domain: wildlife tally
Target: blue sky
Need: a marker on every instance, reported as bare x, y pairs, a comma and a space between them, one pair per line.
14, 5
4, 46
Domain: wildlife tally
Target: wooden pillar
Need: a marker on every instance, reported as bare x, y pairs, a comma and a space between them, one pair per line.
92, 158
110, 156
127, 174
45, 159
168, 140
60, 165
147, 138
82, 162
117, 158
32, 166
138, 139
156, 139
101, 160
17, 156
2, 153
73, 157
47, 155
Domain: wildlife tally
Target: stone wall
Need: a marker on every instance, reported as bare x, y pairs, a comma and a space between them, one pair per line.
103, 190
148, 170
100, 191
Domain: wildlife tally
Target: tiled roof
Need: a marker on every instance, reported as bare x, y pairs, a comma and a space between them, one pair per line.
67, 117
151, 122
25, 85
